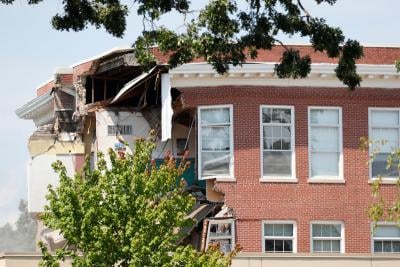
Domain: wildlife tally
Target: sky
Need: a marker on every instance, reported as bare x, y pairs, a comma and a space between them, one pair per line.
30, 51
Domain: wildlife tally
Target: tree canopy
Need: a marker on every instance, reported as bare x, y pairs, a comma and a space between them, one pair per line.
223, 32
127, 212
22, 238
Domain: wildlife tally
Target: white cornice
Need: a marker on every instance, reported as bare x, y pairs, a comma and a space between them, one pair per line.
36, 106
262, 74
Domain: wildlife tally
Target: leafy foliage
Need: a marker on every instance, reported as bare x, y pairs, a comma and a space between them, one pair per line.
127, 214
223, 32
23, 237
381, 209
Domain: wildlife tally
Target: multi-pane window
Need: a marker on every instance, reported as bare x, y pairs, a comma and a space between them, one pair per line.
215, 142
221, 232
325, 142
119, 129
279, 237
327, 237
384, 134
386, 239
277, 141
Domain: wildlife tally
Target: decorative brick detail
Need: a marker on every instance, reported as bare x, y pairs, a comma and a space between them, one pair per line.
254, 201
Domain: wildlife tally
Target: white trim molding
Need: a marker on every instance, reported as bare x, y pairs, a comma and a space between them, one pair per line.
275, 178
385, 180
293, 237
326, 179
262, 74
230, 176
341, 238
384, 239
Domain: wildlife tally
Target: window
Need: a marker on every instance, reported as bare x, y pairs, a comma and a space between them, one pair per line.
277, 142
386, 238
215, 142
119, 129
279, 237
221, 232
384, 127
325, 143
327, 237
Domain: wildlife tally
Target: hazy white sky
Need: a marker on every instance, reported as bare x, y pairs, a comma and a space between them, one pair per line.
30, 50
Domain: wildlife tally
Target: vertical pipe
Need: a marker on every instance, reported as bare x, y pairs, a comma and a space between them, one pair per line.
92, 90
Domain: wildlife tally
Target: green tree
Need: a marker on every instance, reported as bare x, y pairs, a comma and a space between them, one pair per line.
223, 32
127, 214
23, 237
383, 209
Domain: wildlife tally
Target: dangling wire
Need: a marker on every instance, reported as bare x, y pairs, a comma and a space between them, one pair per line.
188, 136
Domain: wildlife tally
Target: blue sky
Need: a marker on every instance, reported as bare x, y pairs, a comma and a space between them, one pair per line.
30, 50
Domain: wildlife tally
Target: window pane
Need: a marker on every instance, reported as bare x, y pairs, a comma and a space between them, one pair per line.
215, 138
266, 115
276, 115
288, 245
316, 230
215, 163
326, 230
277, 144
396, 246
389, 136
269, 245
387, 246
324, 116
288, 229
327, 245
220, 229
324, 139
278, 229
215, 115
317, 245
387, 231
336, 230
384, 117
379, 165
278, 245
277, 163
268, 229
378, 247
324, 164
335, 245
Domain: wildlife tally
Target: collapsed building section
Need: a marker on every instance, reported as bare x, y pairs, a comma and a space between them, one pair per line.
108, 102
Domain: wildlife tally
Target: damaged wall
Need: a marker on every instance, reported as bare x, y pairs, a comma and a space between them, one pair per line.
44, 151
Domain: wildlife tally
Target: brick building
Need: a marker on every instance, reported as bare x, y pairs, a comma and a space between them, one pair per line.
283, 156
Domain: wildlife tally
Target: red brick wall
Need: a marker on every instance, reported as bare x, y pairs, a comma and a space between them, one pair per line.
82, 68
372, 55
44, 88
254, 201
66, 78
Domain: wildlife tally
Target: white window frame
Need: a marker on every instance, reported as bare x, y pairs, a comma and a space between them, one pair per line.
293, 238
267, 178
231, 176
326, 179
341, 238
383, 223
233, 232
386, 180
